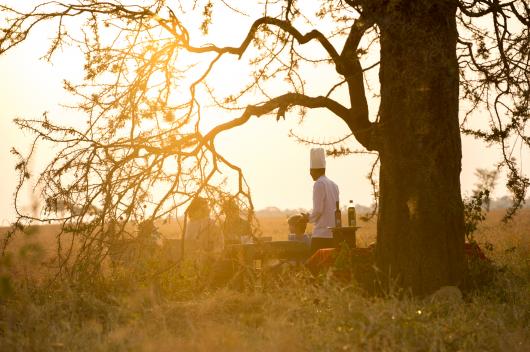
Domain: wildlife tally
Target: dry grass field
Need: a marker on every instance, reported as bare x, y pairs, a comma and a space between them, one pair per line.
294, 313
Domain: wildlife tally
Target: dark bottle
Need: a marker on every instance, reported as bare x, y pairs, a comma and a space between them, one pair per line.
338, 215
352, 221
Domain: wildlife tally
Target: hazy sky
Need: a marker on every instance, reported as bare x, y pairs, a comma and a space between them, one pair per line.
275, 165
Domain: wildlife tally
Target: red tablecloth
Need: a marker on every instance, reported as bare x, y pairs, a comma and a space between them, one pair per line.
325, 258
322, 259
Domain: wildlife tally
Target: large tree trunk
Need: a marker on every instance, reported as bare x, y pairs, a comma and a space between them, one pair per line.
420, 241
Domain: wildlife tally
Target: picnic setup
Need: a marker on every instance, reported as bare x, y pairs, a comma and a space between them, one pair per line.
229, 252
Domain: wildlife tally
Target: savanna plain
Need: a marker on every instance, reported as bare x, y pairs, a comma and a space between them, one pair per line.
171, 310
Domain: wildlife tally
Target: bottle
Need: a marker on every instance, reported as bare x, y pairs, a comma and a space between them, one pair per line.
352, 221
338, 215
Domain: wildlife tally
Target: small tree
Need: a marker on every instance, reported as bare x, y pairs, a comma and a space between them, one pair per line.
487, 179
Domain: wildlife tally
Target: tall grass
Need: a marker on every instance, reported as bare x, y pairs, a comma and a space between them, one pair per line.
293, 313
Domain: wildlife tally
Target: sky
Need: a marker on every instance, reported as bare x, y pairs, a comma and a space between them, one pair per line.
275, 165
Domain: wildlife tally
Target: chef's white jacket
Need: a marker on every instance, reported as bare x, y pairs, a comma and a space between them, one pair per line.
325, 196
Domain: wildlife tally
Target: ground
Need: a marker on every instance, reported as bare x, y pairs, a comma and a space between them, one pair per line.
296, 314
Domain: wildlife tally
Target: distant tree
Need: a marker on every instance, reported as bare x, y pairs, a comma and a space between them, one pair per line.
487, 180
147, 85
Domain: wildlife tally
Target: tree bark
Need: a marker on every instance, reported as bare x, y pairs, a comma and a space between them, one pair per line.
420, 240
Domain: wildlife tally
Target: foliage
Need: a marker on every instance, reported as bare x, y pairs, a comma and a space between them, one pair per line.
474, 212
478, 204
487, 180
343, 257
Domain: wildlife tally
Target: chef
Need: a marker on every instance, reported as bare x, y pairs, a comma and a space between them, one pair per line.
325, 197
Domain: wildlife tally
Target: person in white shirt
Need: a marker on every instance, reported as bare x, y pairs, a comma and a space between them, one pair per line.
325, 197
206, 242
202, 231
236, 230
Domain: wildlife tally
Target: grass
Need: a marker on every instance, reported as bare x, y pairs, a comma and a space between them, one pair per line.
297, 313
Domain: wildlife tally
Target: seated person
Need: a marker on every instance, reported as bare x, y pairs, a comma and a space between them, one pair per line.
235, 228
201, 229
297, 225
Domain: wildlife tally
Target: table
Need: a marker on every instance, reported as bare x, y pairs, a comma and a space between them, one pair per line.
345, 234
290, 250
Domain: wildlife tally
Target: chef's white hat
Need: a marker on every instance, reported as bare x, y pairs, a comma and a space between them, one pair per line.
318, 158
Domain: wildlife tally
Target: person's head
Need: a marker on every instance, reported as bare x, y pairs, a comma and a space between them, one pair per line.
297, 224
146, 228
316, 173
230, 208
317, 163
198, 209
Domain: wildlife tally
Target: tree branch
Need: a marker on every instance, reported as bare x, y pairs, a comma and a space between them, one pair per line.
284, 25
350, 67
280, 103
